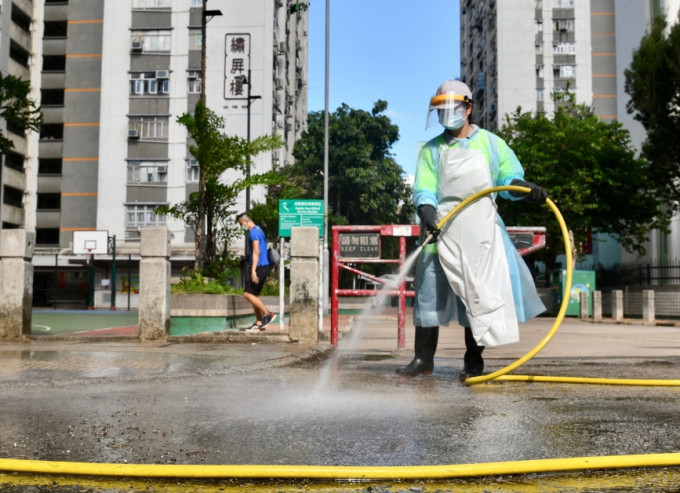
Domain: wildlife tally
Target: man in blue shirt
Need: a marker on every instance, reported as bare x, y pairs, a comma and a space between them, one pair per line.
256, 272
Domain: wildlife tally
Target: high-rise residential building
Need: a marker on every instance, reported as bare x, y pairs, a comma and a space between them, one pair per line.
521, 53
20, 33
112, 77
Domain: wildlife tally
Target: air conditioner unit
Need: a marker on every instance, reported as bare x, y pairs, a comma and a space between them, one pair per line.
192, 76
162, 169
137, 46
162, 74
133, 133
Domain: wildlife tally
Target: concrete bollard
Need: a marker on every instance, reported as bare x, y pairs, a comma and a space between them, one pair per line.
304, 285
583, 298
597, 305
16, 288
154, 284
648, 308
617, 305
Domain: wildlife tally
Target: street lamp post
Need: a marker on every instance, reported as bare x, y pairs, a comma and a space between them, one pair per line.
206, 15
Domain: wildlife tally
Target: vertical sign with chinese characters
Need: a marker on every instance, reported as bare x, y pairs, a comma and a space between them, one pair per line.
236, 65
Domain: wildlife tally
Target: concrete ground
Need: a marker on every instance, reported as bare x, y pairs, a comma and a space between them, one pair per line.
262, 400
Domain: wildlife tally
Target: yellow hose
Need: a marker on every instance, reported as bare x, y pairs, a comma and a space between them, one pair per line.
392, 472
502, 373
339, 472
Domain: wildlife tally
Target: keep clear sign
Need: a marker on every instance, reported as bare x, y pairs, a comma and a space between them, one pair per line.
359, 245
299, 212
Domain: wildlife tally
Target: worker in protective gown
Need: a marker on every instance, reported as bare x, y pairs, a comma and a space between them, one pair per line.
471, 270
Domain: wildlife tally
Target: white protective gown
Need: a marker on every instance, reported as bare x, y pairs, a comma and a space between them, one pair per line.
471, 248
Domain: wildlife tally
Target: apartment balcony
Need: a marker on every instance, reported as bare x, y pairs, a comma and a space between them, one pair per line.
13, 178
49, 183
18, 70
53, 114
56, 12
48, 218
53, 80
20, 36
51, 148
12, 214
54, 46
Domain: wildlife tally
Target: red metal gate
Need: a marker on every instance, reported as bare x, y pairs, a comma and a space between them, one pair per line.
339, 262
525, 239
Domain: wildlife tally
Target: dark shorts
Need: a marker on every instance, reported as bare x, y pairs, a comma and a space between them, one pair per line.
256, 288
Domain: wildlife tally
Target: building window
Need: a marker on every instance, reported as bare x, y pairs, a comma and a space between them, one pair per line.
150, 127
564, 71
192, 171
47, 236
151, 4
149, 83
52, 131
564, 4
539, 71
539, 47
540, 94
195, 39
50, 201
49, 166
539, 25
197, 3
147, 172
152, 40
138, 215
55, 29
564, 48
564, 25
54, 63
13, 196
194, 82
15, 161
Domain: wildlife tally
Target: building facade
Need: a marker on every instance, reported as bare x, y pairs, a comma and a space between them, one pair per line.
525, 52
112, 77
20, 40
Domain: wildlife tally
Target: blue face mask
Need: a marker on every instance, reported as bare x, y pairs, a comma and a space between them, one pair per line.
453, 120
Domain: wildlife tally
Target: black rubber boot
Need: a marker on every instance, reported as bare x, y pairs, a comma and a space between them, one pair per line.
473, 361
425, 347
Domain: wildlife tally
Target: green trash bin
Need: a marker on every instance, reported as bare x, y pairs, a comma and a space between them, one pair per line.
582, 281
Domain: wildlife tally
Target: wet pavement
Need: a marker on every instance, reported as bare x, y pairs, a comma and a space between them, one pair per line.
270, 403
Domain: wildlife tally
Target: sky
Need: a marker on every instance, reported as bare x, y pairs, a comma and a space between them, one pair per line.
395, 50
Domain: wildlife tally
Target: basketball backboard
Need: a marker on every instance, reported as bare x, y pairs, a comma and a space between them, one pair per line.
90, 242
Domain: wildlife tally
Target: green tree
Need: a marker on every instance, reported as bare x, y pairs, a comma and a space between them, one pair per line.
653, 83
215, 199
365, 184
16, 108
592, 174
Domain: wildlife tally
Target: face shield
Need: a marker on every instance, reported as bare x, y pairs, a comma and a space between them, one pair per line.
448, 109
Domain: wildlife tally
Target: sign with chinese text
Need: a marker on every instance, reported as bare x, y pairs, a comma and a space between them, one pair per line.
236, 65
359, 245
299, 212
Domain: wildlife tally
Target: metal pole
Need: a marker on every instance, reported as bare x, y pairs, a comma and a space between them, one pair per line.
56, 280
325, 161
248, 140
113, 272
90, 294
129, 279
200, 225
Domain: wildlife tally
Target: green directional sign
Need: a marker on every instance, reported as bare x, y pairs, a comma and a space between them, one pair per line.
299, 212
